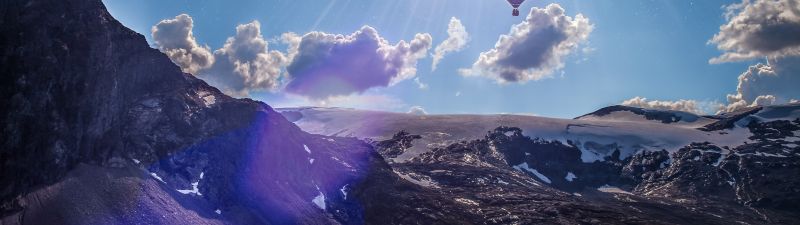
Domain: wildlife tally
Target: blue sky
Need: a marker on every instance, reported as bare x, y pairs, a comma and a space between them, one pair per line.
649, 48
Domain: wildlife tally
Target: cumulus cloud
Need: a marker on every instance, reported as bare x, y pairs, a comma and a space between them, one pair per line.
174, 37
534, 48
328, 65
293, 41
245, 63
681, 105
759, 28
762, 29
457, 38
417, 110
764, 100
775, 82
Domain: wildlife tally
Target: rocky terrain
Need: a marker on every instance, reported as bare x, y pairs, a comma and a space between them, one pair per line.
99, 128
700, 183
728, 170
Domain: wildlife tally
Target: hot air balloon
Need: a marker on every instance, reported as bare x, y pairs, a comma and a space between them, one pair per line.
515, 4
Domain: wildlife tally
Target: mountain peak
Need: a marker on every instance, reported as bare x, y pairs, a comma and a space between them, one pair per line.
635, 114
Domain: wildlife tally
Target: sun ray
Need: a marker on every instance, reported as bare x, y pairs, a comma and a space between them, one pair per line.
323, 14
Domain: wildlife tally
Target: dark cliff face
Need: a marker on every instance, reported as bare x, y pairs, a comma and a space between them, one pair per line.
79, 88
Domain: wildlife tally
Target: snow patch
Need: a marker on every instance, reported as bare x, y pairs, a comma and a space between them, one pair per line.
588, 156
344, 191
719, 160
775, 113
466, 201
135, 161
151, 103
306, 148
154, 175
219, 212
570, 176
611, 189
345, 164
194, 190
417, 179
208, 98
769, 155
310, 161
499, 181
524, 167
762, 154
319, 201
722, 156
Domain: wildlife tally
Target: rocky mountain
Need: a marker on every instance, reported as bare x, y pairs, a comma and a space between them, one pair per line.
596, 138
727, 174
99, 128
633, 114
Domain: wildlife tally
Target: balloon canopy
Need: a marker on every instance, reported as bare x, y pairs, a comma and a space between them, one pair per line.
515, 3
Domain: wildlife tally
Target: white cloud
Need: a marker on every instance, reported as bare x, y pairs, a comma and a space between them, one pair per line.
762, 29
316, 65
681, 105
457, 38
775, 82
421, 85
328, 65
293, 40
764, 100
534, 48
243, 64
417, 110
759, 28
174, 38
